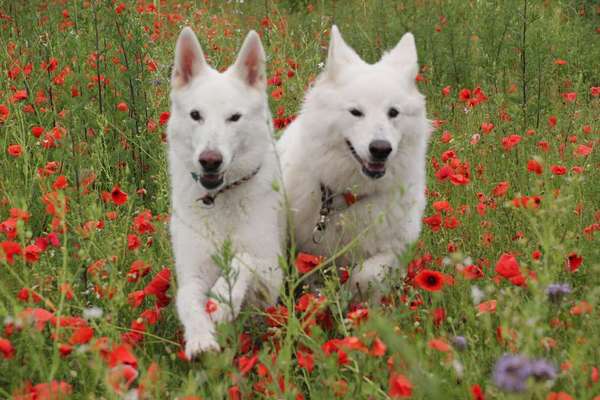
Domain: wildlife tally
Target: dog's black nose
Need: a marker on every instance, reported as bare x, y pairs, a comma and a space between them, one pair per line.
210, 160
380, 149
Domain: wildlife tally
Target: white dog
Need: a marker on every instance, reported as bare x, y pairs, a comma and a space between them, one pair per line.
224, 174
354, 160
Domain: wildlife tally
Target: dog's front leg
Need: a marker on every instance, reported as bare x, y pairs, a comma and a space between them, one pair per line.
230, 291
370, 275
195, 276
248, 273
199, 329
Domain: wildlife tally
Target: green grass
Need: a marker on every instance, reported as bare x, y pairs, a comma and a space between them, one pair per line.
509, 49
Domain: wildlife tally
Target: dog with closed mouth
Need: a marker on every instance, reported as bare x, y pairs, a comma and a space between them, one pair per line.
224, 175
353, 161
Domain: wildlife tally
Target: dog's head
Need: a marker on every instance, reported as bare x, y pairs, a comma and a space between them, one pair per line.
220, 121
372, 107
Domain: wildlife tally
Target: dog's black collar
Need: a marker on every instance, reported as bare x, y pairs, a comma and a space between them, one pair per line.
209, 198
327, 205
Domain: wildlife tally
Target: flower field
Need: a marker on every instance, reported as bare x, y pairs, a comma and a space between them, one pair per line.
501, 295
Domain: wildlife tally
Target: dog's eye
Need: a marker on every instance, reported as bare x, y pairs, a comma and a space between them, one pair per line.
392, 113
195, 114
356, 112
234, 117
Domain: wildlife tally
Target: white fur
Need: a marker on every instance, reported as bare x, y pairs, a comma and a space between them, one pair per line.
313, 151
248, 214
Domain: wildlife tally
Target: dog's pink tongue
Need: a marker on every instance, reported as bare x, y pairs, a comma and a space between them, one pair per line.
376, 166
211, 177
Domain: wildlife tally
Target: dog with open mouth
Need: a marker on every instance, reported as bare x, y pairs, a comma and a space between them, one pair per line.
224, 176
353, 161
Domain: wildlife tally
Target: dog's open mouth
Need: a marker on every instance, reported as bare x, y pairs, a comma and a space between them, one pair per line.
373, 170
211, 181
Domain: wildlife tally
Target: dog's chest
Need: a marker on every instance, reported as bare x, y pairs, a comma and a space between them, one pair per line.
215, 223
346, 226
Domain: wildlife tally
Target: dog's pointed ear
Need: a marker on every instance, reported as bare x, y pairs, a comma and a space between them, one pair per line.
404, 56
250, 63
339, 54
189, 59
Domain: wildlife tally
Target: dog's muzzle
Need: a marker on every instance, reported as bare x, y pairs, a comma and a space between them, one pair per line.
211, 161
211, 181
374, 168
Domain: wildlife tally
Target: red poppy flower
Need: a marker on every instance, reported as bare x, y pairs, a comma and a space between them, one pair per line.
487, 127
81, 335
464, 95
305, 360
277, 94
583, 150
210, 307
6, 348
8, 251
353, 343
439, 345
558, 169
142, 223
164, 118
32, 253
439, 315
245, 364
307, 262
4, 113
507, 266
15, 150
60, 183
121, 355
133, 242
399, 386
500, 189
118, 196
510, 141
276, 316
487, 307
574, 261
471, 272
429, 280
37, 316
558, 396
434, 222
19, 95
160, 283
534, 166
137, 270
477, 392
47, 391
451, 222
446, 137
358, 315
378, 348
459, 179
234, 393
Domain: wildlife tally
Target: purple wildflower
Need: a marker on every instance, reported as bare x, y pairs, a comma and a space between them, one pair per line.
542, 370
556, 291
459, 342
511, 373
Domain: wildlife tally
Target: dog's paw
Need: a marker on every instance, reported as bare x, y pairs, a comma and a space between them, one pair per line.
199, 344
